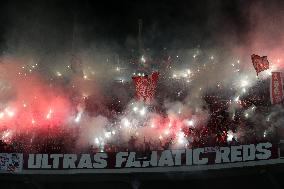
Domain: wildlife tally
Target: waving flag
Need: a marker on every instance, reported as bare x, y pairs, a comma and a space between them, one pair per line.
276, 88
146, 87
259, 63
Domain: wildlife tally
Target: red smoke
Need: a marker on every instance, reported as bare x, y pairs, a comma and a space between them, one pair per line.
31, 102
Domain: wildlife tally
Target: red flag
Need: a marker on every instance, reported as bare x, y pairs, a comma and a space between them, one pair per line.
146, 87
259, 63
276, 88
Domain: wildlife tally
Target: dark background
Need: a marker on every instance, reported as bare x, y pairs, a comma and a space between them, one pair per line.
49, 24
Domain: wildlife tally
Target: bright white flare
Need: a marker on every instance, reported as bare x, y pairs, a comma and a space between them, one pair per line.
143, 59
237, 99
49, 114
9, 112
107, 134
1, 115
244, 83
58, 74
230, 136
135, 109
264, 134
125, 122
143, 111
190, 123
181, 138
78, 117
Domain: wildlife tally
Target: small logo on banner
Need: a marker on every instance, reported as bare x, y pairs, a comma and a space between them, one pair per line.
11, 162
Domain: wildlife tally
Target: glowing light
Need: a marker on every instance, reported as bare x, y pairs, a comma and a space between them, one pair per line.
237, 99
33, 121
24, 105
1, 115
117, 69
190, 123
230, 136
85, 77
5, 135
58, 74
188, 71
9, 112
48, 116
167, 132
181, 139
264, 134
212, 57
85, 96
143, 59
244, 83
107, 134
246, 115
78, 117
135, 109
97, 141
113, 132
143, 111
125, 122
233, 116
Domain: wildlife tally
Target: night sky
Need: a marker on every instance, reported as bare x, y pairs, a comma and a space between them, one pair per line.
183, 24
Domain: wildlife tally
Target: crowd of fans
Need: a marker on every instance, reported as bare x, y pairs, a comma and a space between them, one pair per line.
214, 133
